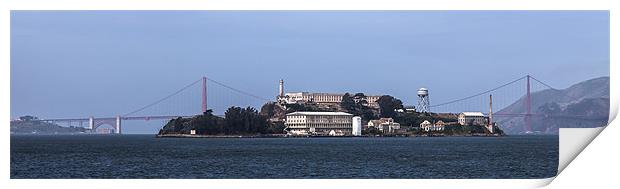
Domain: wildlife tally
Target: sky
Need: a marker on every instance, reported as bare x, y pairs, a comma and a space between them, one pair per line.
106, 63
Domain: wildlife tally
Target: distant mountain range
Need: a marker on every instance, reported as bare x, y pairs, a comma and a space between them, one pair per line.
585, 104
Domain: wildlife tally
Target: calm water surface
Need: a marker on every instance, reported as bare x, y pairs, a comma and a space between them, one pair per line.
144, 156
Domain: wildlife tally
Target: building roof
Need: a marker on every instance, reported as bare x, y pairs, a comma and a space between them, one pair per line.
325, 94
425, 122
316, 94
473, 114
321, 113
375, 122
388, 119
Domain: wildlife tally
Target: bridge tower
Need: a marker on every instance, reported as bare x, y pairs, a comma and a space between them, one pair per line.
528, 107
490, 125
91, 123
423, 100
117, 127
204, 94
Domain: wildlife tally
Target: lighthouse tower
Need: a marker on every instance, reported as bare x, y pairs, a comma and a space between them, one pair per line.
281, 94
280, 98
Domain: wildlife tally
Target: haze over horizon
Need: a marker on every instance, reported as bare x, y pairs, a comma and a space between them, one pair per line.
105, 63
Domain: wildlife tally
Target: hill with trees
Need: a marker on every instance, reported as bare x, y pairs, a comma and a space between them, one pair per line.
236, 121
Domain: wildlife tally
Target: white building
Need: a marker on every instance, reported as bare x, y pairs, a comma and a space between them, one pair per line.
427, 126
386, 125
319, 123
471, 118
357, 126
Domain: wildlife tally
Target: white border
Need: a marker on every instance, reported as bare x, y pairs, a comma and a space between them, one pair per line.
6, 6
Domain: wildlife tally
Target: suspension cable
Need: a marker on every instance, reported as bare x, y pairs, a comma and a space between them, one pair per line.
237, 90
162, 99
476, 95
553, 88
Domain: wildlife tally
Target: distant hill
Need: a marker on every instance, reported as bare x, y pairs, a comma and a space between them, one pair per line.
36, 127
585, 104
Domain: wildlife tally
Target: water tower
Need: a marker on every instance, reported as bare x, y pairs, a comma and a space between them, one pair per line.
423, 101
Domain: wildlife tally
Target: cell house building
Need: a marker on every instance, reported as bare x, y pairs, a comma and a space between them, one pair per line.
319, 123
320, 98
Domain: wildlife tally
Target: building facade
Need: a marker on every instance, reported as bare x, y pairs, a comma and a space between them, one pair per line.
386, 125
471, 118
437, 126
319, 123
298, 97
425, 125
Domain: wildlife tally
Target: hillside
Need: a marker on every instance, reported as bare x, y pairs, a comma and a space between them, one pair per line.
36, 127
585, 104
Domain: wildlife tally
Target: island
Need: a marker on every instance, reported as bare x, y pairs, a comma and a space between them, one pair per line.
379, 116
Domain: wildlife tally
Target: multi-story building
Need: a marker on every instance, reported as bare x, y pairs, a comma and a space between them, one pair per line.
471, 118
297, 97
319, 123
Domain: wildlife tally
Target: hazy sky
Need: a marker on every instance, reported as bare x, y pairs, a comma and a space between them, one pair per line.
105, 63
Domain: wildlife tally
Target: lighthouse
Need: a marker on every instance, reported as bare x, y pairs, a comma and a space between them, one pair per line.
281, 94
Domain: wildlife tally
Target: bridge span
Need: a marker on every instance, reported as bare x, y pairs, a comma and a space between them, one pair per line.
116, 122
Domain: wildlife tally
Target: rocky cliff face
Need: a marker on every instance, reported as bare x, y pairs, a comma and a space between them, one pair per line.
585, 104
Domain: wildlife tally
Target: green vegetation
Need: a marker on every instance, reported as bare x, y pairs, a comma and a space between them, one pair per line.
415, 118
357, 105
371, 131
387, 105
236, 121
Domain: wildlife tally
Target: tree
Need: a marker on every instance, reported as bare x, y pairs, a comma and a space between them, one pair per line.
239, 120
371, 131
207, 123
348, 103
276, 127
268, 109
236, 120
387, 105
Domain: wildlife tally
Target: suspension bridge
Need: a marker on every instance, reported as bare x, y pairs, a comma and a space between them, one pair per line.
180, 103
216, 96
